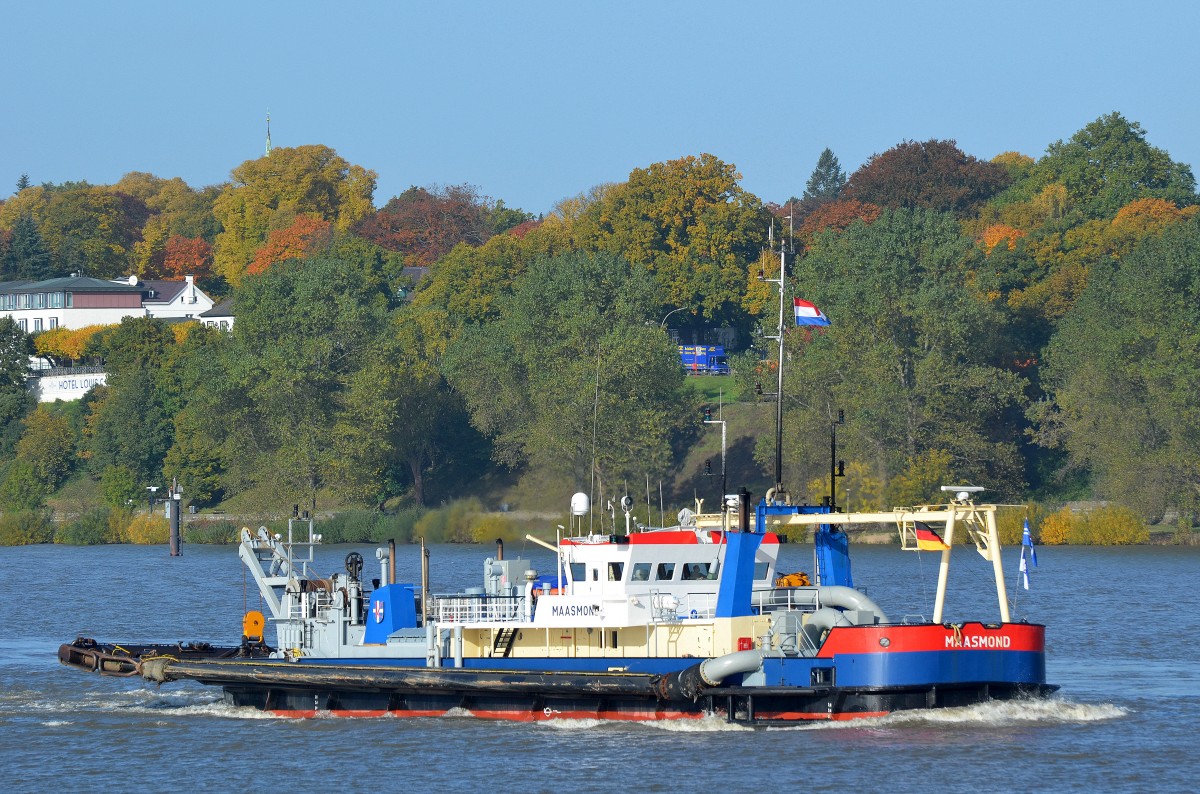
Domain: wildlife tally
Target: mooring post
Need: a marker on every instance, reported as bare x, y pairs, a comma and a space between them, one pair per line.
173, 504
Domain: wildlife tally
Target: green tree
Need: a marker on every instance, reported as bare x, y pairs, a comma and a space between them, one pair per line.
1121, 373
911, 355
1108, 164
194, 461
400, 420
20, 487
827, 179
15, 399
27, 256
576, 373
130, 427
48, 445
22, 182
120, 487
137, 343
304, 327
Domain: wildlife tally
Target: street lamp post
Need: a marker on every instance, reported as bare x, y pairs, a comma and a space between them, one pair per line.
708, 420
663, 324
153, 489
837, 468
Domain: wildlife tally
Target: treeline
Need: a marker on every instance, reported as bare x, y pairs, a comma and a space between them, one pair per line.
1025, 325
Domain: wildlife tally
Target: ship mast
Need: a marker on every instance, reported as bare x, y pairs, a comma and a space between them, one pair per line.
780, 494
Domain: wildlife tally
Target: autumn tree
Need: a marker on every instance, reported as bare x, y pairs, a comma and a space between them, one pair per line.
187, 256
63, 345
92, 230
836, 216
271, 192
688, 222
425, 224
930, 174
306, 235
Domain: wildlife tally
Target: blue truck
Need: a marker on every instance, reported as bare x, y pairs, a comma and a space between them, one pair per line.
704, 359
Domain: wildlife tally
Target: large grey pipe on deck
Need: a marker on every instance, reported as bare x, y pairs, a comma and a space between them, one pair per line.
689, 683
266, 674
849, 598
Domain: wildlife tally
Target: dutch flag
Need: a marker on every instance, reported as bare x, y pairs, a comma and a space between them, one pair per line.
808, 314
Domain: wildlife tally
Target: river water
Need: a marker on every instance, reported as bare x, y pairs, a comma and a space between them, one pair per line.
1123, 624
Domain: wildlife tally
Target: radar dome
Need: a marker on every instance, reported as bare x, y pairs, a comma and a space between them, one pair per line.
580, 504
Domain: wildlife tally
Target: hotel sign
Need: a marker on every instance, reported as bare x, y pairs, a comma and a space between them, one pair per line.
65, 387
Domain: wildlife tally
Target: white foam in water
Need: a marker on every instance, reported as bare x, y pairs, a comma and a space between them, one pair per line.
707, 724
993, 714
150, 701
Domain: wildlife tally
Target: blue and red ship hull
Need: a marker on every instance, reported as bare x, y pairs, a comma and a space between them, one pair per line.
859, 671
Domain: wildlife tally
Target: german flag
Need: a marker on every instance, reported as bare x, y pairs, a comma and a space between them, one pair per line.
927, 539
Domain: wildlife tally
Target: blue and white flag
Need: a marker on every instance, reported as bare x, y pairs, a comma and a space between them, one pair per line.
1024, 570
1027, 540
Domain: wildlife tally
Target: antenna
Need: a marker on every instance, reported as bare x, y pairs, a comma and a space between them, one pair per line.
268, 133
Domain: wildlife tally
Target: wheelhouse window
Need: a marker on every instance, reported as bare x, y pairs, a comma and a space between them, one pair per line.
641, 572
665, 572
695, 571
615, 569
762, 570
578, 572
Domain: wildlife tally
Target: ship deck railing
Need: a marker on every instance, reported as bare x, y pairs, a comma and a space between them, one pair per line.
785, 599
477, 609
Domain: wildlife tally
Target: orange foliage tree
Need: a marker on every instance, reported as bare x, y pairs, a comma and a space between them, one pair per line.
836, 215
998, 232
187, 256
305, 235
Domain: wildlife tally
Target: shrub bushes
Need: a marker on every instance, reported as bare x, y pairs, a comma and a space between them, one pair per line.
25, 527
216, 533
368, 526
90, 529
1112, 525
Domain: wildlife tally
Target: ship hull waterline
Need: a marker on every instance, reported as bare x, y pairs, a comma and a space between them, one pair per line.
308, 690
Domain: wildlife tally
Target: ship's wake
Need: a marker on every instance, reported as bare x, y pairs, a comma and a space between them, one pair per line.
993, 714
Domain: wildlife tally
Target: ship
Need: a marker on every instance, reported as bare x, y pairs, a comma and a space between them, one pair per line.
651, 623
689, 621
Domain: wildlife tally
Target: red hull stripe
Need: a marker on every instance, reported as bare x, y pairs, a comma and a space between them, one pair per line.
904, 639
683, 537
511, 716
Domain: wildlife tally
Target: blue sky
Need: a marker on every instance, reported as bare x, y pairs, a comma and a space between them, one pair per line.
537, 101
